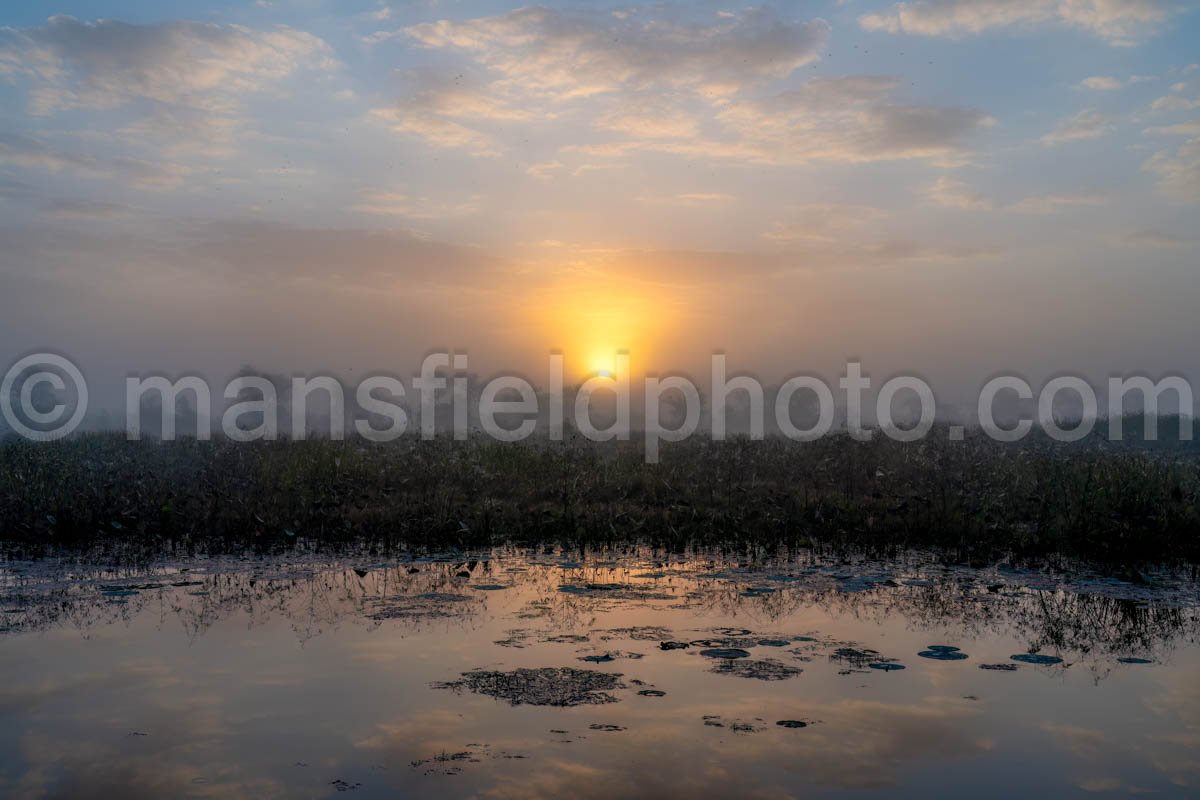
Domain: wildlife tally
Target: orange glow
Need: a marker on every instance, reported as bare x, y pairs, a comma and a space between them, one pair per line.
591, 324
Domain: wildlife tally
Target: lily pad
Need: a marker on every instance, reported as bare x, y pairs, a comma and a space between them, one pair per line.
792, 723
943, 655
739, 642
885, 666
1037, 659
1132, 660
724, 652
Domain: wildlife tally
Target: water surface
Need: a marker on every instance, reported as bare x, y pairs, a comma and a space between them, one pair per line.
529, 674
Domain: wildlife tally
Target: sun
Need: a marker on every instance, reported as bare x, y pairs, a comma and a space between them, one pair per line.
603, 363
602, 329
594, 319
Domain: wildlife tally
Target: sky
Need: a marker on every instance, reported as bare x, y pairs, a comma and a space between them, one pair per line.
947, 188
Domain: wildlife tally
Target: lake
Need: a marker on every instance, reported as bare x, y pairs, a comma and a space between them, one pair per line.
631, 672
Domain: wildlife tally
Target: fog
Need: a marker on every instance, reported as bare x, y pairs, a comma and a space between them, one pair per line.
298, 191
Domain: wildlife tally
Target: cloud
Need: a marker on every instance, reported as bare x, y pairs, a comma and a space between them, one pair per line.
564, 54
860, 745
1052, 203
1150, 237
180, 78
1189, 128
824, 222
1179, 172
1087, 124
1084, 743
849, 119
785, 129
13, 189
807, 245
650, 117
1102, 83
108, 64
639, 68
1106, 83
24, 151
953, 193
244, 258
437, 131
1176, 103
383, 203
584, 169
1178, 99
689, 199
697, 90
69, 208
1119, 22
464, 97
448, 110
262, 251
836, 236
545, 170
894, 251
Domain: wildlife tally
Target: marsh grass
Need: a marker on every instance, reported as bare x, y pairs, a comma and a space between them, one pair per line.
977, 499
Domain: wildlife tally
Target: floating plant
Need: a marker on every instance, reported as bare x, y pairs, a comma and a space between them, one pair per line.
765, 670
548, 686
1037, 659
724, 652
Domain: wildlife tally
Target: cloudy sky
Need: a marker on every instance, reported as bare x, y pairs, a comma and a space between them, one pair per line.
949, 187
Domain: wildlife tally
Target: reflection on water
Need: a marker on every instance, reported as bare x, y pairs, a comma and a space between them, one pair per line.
596, 674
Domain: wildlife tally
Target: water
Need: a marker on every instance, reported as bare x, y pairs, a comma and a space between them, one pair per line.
516, 674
